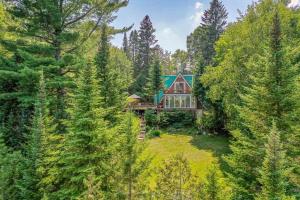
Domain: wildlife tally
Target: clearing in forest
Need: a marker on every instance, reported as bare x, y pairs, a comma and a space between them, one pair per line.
200, 150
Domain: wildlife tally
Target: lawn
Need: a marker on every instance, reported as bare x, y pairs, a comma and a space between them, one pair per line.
200, 150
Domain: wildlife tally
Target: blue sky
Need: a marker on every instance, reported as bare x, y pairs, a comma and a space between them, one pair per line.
172, 19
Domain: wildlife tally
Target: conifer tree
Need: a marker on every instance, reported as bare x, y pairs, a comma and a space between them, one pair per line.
274, 169
11, 165
45, 36
107, 77
215, 187
156, 83
201, 49
125, 45
87, 147
132, 165
146, 40
30, 179
50, 145
266, 100
175, 180
133, 46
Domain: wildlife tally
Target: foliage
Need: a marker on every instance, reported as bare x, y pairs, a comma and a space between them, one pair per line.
216, 186
154, 133
151, 117
274, 171
169, 118
265, 100
156, 82
87, 148
133, 166
181, 118
146, 40
175, 180
201, 49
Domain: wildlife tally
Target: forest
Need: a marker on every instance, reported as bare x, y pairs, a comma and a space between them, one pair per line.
68, 130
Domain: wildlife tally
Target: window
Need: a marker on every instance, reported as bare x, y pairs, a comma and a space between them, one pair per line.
179, 101
172, 102
188, 102
167, 102
179, 87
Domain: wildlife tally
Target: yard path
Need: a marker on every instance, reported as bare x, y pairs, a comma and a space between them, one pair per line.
142, 134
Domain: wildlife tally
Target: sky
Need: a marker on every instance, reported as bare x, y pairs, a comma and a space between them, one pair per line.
173, 20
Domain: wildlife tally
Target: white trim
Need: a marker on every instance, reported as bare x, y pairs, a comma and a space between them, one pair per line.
171, 98
183, 79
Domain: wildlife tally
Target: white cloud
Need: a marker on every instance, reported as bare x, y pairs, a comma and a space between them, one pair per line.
294, 3
198, 5
197, 16
169, 38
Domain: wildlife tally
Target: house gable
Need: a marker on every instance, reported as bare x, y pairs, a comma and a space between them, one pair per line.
169, 82
179, 86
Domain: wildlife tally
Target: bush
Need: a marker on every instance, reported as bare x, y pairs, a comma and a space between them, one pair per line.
178, 118
207, 121
165, 119
150, 117
154, 133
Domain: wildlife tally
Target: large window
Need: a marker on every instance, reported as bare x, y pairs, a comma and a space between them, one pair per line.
179, 101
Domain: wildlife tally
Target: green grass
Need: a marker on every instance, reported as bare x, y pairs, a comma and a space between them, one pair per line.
200, 150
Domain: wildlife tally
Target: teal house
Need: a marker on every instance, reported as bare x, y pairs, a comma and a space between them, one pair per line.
177, 92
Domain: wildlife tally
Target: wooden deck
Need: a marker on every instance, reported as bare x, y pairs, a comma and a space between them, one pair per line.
143, 106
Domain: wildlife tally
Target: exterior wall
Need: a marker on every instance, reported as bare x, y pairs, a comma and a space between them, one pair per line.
173, 93
179, 79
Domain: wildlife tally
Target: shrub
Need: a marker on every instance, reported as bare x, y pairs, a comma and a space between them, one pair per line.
150, 117
207, 121
178, 118
154, 133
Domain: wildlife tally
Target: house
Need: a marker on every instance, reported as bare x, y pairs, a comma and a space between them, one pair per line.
177, 93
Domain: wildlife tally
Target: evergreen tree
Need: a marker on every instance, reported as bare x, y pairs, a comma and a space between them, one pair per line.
267, 99
11, 164
215, 187
87, 147
133, 46
202, 51
48, 146
175, 180
133, 166
146, 40
274, 169
125, 45
30, 179
108, 77
44, 37
156, 84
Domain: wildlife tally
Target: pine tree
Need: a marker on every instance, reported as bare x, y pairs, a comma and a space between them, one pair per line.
274, 169
266, 100
146, 40
87, 147
125, 45
37, 43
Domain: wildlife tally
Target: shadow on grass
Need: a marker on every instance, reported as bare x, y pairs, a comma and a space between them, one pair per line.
217, 144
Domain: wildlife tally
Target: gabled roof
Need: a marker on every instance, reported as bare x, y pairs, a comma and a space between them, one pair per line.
168, 81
